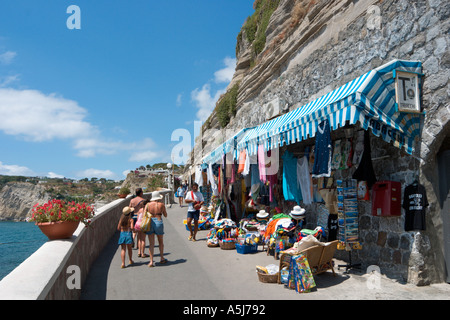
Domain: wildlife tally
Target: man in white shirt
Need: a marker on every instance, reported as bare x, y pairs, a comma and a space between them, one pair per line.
195, 200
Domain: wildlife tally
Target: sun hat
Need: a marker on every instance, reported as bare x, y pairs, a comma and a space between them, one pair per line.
262, 214
156, 196
297, 213
127, 210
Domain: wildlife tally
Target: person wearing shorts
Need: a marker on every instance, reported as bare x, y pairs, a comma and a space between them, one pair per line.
195, 200
157, 209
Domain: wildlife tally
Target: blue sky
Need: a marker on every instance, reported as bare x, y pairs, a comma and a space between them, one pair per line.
106, 98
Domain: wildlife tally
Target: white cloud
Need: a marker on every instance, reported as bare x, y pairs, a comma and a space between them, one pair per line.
204, 99
7, 57
38, 117
179, 97
90, 173
54, 175
15, 170
144, 156
6, 81
226, 74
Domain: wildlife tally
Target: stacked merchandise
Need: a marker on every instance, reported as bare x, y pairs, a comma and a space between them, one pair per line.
300, 276
223, 234
348, 214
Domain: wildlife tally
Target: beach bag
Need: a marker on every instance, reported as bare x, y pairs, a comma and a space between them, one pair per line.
146, 221
197, 204
137, 226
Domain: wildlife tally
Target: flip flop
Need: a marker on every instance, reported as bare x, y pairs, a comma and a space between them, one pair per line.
190, 238
151, 266
163, 261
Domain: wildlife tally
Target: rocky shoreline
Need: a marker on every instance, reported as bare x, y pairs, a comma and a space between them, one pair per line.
18, 198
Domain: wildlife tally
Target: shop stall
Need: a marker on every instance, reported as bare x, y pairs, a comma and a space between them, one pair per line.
307, 170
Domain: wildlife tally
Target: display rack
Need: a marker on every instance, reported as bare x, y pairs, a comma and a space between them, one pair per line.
348, 218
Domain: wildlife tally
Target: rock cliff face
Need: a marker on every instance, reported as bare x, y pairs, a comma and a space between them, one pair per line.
18, 198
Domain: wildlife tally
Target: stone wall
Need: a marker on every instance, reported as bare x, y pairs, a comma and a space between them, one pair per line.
356, 37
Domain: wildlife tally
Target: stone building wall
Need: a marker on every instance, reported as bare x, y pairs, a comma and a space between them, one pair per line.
360, 36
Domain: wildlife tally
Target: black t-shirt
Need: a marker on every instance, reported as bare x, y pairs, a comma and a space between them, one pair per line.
415, 202
332, 227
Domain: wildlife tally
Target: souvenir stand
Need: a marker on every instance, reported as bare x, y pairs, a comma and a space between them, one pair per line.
321, 178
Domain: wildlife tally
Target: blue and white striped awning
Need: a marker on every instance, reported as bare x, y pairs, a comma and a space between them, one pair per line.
229, 145
368, 99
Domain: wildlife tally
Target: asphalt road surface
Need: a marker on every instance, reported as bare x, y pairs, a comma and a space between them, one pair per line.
196, 272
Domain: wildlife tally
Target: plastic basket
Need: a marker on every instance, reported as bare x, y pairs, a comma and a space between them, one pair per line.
244, 249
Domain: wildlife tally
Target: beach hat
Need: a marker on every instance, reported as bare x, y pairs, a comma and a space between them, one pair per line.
127, 210
262, 214
156, 196
297, 213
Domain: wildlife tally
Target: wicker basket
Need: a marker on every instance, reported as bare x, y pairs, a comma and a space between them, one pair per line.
212, 245
227, 245
267, 278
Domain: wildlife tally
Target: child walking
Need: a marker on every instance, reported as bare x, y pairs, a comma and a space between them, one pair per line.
125, 227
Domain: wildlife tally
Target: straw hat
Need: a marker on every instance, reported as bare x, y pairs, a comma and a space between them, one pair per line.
156, 196
127, 210
297, 213
262, 214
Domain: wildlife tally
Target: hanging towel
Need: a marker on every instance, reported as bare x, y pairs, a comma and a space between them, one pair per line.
262, 163
242, 160
290, 187
304, 180
246, 165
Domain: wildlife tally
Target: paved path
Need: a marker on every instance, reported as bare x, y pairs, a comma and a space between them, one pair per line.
196, 272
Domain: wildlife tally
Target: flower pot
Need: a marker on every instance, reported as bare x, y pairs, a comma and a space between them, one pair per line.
122, 195
58, 230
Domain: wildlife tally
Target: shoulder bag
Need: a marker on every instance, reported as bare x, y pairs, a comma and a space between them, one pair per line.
146, 221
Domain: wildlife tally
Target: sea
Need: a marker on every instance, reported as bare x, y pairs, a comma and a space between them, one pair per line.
18, 241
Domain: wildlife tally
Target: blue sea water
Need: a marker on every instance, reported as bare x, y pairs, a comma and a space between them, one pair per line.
18, 241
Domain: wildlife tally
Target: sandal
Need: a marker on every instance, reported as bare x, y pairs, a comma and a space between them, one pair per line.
150, 265
190, 238
163, 261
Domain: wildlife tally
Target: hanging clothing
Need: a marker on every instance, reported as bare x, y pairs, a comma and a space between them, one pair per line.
415, 202
290, 186
246, 170
322, 157
365, 170
359, 148
198, 176
332, 227
304, 180
242, 160
211, 180
262, 163
255, 182
337, 155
